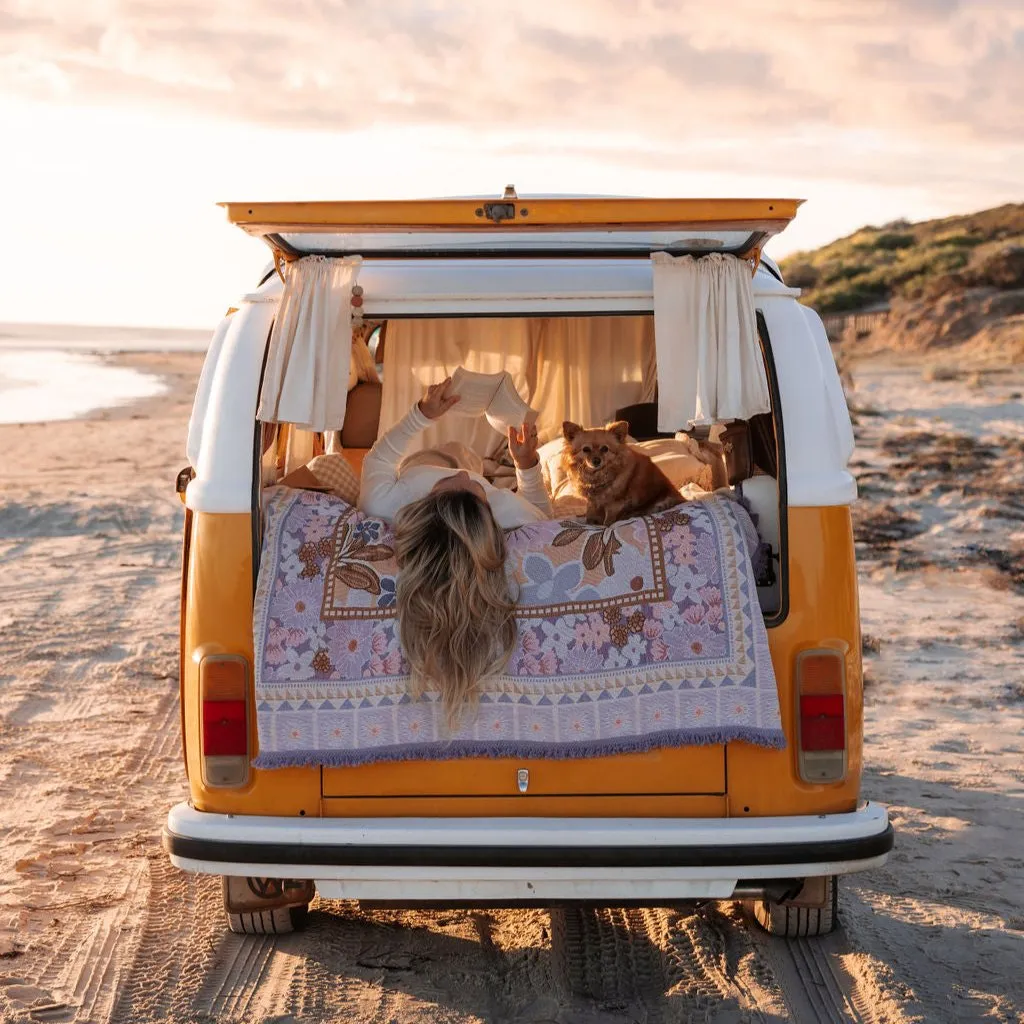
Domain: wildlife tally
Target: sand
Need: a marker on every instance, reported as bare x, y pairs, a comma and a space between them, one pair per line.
96, 926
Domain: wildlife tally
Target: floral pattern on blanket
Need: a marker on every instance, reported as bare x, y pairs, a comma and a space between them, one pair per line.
641, 634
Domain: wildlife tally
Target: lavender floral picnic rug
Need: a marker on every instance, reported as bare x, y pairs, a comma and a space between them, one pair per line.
640, 635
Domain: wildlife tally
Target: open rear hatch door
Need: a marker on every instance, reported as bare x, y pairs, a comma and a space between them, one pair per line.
528, 226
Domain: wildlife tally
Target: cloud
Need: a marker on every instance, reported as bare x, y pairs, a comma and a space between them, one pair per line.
939, 72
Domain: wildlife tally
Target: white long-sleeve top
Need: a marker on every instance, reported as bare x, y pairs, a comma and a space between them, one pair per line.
383, 490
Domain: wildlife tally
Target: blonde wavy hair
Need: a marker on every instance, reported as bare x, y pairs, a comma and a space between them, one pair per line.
456, 610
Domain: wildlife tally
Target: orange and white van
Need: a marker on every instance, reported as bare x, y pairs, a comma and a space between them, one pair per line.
721, 821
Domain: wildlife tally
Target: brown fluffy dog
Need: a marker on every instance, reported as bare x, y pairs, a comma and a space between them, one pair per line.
616, 480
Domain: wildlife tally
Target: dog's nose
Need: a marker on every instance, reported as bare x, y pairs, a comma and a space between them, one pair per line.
596, 462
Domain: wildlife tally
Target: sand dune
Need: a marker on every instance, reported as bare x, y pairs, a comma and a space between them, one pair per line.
96, 926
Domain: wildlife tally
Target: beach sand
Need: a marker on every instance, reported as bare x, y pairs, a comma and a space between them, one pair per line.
96, 926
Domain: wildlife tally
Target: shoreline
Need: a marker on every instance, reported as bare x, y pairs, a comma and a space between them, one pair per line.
159, 377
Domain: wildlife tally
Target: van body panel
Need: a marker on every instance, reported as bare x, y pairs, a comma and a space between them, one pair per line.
221, 428
218, 620
674, 770
623, 805
818, 437
824, 611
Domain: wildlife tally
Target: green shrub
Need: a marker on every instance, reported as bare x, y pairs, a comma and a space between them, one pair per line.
842, 298
891, 240
961, 241
800, 275
831, 273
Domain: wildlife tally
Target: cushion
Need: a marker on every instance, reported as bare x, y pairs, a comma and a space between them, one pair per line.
362, 416
678, 461
564, 499
335, 474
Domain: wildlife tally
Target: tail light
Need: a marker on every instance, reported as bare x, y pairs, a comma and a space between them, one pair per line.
821, 715
224, 699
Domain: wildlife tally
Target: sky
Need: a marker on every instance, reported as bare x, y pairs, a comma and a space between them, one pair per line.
125, 121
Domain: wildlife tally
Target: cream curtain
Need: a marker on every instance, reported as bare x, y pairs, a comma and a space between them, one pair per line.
310, 357
586, 367
709, 360
580, 368
422, 352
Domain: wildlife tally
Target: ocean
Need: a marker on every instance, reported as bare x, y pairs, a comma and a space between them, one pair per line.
57, 371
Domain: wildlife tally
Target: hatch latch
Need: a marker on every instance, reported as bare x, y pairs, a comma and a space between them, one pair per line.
497, 212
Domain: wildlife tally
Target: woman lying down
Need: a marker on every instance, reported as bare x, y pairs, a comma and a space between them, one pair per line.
455, 608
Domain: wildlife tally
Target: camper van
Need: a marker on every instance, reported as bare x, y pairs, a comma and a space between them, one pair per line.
639, 763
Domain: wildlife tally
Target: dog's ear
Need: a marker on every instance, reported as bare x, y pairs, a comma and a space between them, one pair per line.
620, 428
570, 430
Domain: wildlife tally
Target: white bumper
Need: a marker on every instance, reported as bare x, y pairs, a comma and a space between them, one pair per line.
528, 859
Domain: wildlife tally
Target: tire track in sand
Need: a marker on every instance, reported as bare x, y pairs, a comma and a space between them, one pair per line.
818, 986
673, 965
237, 975
172, 958
175, 953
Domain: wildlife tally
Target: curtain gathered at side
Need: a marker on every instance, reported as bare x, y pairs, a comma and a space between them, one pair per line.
710, 366
310, 355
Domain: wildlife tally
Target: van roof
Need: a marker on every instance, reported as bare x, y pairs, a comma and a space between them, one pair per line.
523, 225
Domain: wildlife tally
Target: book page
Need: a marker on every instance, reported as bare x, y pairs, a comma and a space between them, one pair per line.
475, 390
507, 409
490, 394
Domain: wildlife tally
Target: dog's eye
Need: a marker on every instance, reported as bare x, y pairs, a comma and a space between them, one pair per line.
604, 448
586, 449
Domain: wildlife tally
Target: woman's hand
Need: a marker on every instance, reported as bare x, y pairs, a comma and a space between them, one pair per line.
522, 445
437, 401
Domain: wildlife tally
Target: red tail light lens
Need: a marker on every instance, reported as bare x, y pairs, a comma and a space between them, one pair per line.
822, 723
224, 694
224, 728
821, 715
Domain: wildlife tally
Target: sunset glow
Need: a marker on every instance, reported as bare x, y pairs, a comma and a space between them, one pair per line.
126, 121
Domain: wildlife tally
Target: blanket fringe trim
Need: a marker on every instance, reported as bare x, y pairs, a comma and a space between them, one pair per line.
773, 739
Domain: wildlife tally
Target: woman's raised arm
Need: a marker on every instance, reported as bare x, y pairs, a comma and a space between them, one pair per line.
522, 446
380, 467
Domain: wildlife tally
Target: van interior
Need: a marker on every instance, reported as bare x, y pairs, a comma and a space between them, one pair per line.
590, 369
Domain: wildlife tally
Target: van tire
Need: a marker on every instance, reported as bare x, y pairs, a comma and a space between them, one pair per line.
279, 921
797, 922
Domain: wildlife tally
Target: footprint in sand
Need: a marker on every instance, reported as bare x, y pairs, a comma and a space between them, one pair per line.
18, 991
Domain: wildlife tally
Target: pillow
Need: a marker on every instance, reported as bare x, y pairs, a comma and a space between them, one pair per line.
334, 473
677, 460
555, 478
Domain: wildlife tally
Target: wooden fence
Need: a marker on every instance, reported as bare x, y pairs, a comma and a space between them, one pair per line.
836, 324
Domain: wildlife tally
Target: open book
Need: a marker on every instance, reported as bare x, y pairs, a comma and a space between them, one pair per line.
491, 394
